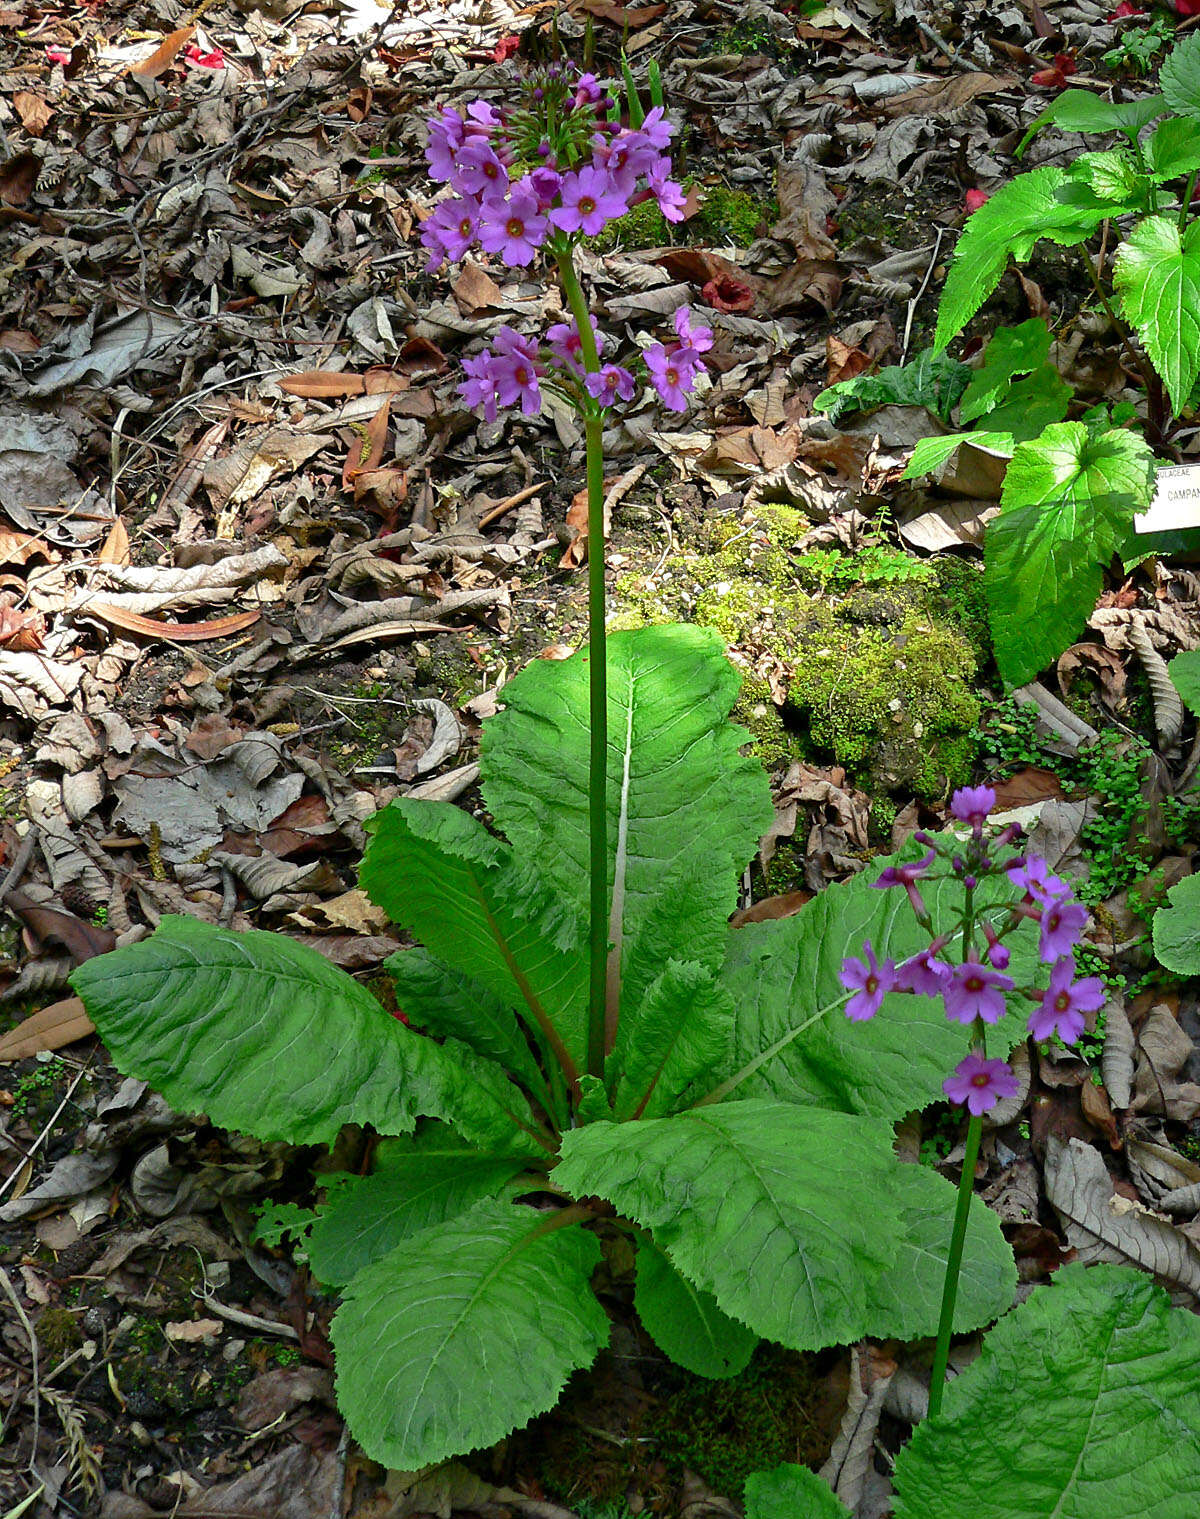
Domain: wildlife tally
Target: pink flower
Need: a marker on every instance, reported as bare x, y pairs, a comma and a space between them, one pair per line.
980, 1084
516, 369
479, 388
973, 199
699, 338
971, 804
450, 230
657, 130
57, 55
973, 992
907, 876
478, 170
514, 228
565, 346
869, 981
1063, 923
610, 383
669, 195
670, 378
589, 201
1034, 879
1065, 1002
545, 184
922, 974
447, 133
998, 955
588, 90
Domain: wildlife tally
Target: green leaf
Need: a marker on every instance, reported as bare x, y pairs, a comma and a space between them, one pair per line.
1110, 182
437, 872
1173, 148
765, 1205
1011, 351
464, 1332
1008, 224
783, 980
1067, 506
932, 452
1184, 671
1084, 1404
1156, 275
933, 380
1081, 111
683, 805
257, 1031
681, 1028
791, 1492
1177, 926
684, 1322
439, 998
1179, 77
417, 1183
1032, 404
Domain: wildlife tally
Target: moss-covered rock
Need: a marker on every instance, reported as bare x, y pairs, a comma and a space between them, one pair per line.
878, 677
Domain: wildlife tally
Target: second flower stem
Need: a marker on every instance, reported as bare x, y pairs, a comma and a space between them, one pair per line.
966, 1186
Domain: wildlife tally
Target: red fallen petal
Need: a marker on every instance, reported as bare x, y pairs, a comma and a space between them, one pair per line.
505, 48
56, 55
1126, 9
1064, 63
728, 294
213, 60
974, 199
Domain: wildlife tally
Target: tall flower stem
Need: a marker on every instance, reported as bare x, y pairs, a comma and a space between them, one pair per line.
966, 1186
598, 681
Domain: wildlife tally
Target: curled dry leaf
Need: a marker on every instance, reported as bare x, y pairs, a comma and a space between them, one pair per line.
852, 1456
173, 632
22, 631
1103, 1226
1116, 1063
51, 1028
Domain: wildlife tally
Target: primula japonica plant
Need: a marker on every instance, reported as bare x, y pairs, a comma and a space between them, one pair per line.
1072, 487
592, 1049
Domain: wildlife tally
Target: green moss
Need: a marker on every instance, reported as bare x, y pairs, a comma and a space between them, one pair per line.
726, 1430
642, 227
755, 709
58, 1333
732, 216
879, 679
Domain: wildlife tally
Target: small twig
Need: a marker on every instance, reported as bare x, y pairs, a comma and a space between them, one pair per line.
50, 1122
35, 1387
18, 867
924, 286
938, 42
509, 502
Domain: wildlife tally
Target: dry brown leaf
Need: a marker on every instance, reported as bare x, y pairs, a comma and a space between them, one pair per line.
19, 548
22, 631
35, 113
1026, 787
853, 1453
475, 290
1103, 1226
322, 383
943, 97
786, 905
18, 176
165, 54
367, 445
51, 1028
631, 16
176, 632
116, 546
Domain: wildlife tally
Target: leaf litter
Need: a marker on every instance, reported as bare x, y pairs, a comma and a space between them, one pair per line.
260, 573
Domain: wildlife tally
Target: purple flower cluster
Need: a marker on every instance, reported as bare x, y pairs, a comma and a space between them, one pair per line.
518, 191
975, 991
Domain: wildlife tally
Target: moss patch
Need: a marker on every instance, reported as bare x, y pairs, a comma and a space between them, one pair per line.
878, 675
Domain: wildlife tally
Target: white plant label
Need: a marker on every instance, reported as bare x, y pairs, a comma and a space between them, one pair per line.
1176, 501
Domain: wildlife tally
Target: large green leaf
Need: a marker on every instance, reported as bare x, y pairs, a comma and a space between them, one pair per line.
257, 1031
1082, 111
791, 1492
417, 1183
683, 804
783, 980
1173, 148
1177, 928
1180, 76
788, 1216
1011, 351
437, 997
932, 380
464, 1332
1066, 507
437, 872
1156, 276
682, 1028
684, 1322
929, 453
1184, 671
1085, 1404
1008, 224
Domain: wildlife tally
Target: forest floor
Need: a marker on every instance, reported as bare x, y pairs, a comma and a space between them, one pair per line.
261, 572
